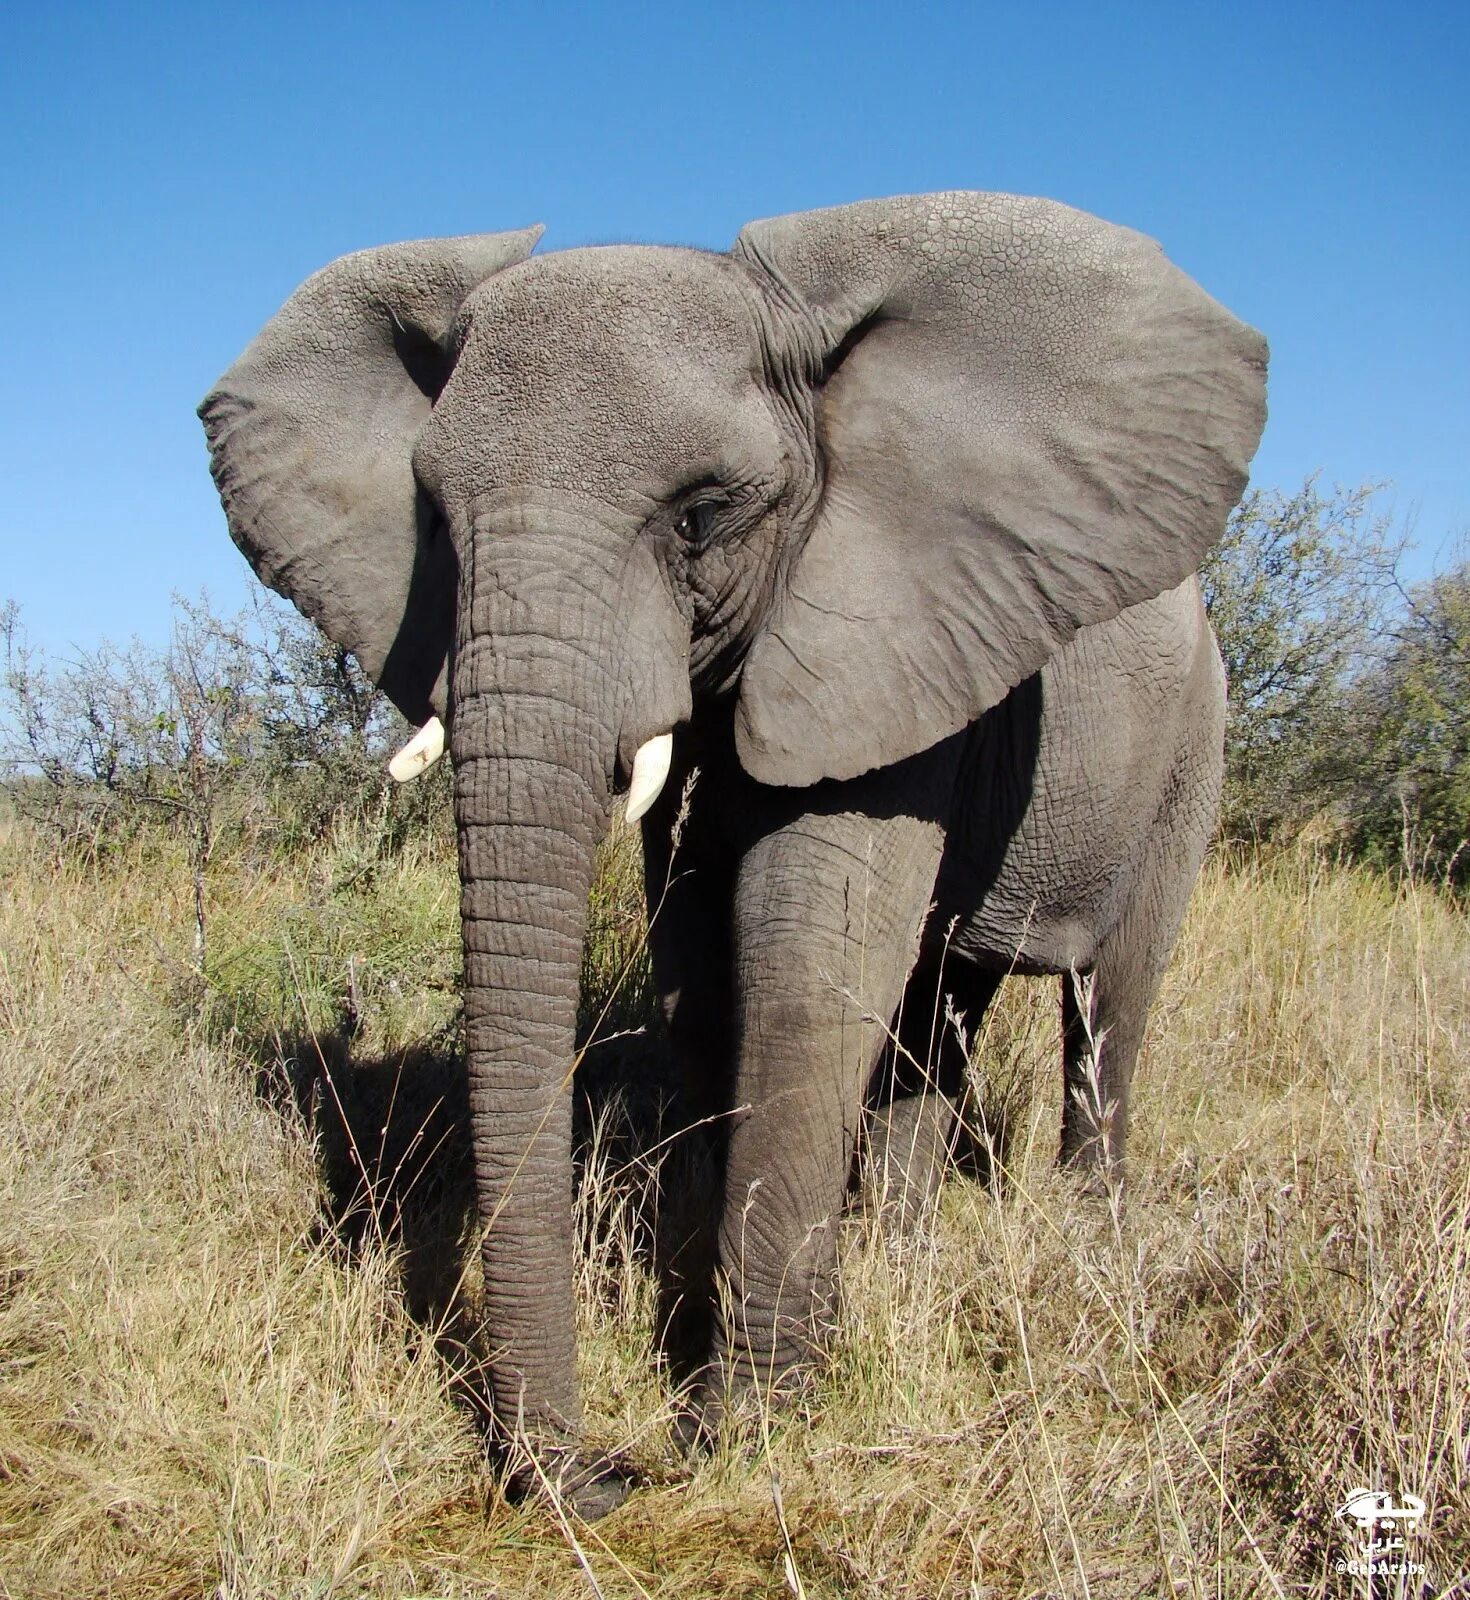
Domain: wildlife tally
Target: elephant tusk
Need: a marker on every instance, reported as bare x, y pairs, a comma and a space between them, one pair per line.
650, 768
420, 753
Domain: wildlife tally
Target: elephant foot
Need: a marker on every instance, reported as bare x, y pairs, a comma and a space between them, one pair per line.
596, 1494
895, 1208
586, 1484
697, 1424
737, 1399
1095, 1179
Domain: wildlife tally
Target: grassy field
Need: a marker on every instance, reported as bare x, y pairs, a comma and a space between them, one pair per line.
233, 1281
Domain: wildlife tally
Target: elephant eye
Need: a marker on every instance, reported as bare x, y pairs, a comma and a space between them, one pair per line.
696, 523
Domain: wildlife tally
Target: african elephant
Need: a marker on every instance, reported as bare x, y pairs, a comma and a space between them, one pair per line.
885, 520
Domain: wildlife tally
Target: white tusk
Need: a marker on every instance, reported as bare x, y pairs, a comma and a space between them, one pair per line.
420, 753
650, 768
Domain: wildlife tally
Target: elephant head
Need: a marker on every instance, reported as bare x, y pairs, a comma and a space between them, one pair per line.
855, 479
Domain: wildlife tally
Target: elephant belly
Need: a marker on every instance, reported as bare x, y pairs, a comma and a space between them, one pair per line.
1066, 786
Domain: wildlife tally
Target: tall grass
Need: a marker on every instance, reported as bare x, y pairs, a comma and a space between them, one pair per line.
236, 1282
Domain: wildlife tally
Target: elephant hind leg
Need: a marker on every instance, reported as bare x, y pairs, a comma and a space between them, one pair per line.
1104, 1017
1105, 1010
915, 1125
689, 898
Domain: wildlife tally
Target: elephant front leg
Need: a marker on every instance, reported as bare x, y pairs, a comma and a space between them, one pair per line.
828, 911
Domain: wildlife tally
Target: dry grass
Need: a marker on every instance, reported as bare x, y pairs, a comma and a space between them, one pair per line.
232, 1231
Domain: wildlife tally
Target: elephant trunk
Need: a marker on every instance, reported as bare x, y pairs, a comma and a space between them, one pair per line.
542, 714
532, 755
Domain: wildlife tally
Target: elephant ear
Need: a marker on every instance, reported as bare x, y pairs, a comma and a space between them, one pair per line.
311, 435
1030, 421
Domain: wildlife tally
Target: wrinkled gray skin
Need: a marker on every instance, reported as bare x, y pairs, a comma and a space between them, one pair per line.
891, 514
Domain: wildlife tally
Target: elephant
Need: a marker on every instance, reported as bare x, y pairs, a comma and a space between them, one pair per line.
887, 521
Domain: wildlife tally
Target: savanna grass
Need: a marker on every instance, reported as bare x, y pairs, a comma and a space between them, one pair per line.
237, 1267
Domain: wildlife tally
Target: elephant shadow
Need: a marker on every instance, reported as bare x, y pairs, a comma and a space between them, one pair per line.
391, 1135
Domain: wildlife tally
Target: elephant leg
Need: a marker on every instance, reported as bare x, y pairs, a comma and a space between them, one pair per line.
828, 911
689, 888
1105, 1010
915, 1126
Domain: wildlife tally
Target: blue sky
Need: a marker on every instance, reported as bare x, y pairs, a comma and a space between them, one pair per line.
170, 173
